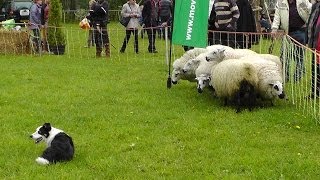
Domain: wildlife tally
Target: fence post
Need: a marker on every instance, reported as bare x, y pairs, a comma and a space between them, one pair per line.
167, 50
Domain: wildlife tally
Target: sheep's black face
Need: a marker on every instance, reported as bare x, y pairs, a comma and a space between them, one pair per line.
277, 89
175, 76
202, 82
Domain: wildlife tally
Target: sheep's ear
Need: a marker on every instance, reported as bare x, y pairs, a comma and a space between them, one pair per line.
221, 50
196, 60
196, 78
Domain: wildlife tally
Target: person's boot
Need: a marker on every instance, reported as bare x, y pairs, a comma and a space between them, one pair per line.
98, 52
107, 46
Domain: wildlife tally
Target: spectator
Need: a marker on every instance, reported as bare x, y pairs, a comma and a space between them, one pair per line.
131, 9
227, 14
291, 16
165, 9
99, 15
150, 19
35, 23
211, 26
245, 23
313, 41
90, 40
44, 23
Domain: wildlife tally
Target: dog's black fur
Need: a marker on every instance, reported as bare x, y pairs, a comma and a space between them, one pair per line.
59, 145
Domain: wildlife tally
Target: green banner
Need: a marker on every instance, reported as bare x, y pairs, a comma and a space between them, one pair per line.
190, 26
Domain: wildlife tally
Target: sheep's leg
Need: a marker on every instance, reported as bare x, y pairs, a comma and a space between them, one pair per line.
271, 102
225, 101
238, 102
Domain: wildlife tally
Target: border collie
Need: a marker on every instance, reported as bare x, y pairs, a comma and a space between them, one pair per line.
59, 144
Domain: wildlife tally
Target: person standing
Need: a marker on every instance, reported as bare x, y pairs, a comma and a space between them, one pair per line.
246, 23
313, 41
291, 16
99, 15
227, 14
35, 23
44, 22
165, 9
150, 19
211, 24
90, 40
131, 9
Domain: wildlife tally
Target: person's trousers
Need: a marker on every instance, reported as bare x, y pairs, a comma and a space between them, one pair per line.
37, 39
225, 38
101, 36
151, 37
315, 77
297, 56
127, 37
90, 41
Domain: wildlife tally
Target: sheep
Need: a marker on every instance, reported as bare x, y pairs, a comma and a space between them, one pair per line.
178, 64
193, 64
269, 57
246, 96
203, 80
270, 84
218, 46
227, 78
203, 74
228, 54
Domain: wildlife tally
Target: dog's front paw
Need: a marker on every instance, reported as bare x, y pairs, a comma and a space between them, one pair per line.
42, 161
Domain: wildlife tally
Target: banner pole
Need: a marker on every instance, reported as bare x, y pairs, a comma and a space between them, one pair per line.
169, 84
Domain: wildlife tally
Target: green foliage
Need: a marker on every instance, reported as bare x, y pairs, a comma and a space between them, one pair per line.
55, 33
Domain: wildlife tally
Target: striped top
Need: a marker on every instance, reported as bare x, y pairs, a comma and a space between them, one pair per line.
227, 14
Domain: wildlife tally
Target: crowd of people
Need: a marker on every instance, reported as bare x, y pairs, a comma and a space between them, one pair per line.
300, 19
38, 20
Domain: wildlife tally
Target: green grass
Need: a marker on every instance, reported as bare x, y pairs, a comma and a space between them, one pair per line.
126, 124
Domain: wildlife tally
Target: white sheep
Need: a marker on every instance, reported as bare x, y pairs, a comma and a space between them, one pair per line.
270, 84
269, 57
235, 80
193, 64
228, 54
178, 65
203, 74
227, 75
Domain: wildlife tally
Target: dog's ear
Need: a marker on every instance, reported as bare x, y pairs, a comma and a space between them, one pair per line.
47, 126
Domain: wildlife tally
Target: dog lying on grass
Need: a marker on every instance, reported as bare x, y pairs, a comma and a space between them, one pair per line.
59, 145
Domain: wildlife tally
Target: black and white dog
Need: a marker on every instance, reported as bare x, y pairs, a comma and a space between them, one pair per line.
59, 144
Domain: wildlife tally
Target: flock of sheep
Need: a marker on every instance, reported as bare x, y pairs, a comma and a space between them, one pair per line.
239, 76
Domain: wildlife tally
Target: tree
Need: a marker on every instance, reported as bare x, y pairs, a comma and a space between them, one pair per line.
56, 37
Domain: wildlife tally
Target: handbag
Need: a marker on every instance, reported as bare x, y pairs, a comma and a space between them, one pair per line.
125, 20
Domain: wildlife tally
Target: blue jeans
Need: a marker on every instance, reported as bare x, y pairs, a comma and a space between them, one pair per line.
298, 55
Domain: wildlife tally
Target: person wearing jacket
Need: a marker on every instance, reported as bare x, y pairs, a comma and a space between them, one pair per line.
246, 23
131, 9
165, 9
90, 40
226, 17
291, 16
99, 15
35, 23
150, 19
44, 22
313, 41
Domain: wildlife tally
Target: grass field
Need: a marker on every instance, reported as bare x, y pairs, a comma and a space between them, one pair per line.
126, 124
